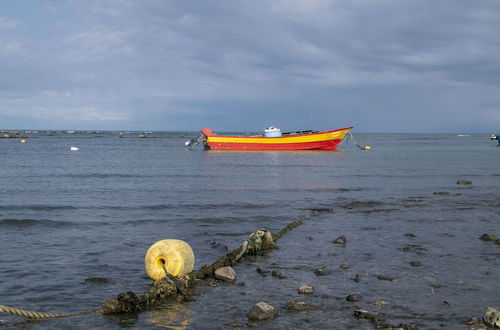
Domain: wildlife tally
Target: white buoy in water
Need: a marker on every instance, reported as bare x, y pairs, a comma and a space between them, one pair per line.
74, 148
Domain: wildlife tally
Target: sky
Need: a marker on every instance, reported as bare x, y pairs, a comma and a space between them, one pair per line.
415, 66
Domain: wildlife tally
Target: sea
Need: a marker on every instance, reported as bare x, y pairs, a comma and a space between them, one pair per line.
75, 226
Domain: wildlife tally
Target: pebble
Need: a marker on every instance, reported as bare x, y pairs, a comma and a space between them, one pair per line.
464, 182
322, 271
278, 275
381, 303
261, 311
385, 278
225, 273
306, 289
340, 240
262, 272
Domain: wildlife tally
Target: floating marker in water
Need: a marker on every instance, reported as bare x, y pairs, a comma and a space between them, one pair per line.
175, 255
74, 148
23, 141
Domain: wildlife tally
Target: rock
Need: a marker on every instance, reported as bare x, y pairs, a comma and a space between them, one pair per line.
464, 182
344, 266
476, 324
353, 297
306, 289
488, 237
262, 272
497, 241
416, 263
492, 317
357, 277
410, 235
261, 311
340, 240
441, 193
278, 275
299, 306
385, 278
226, 274
322, 271
236, 325
362, 314
381, 303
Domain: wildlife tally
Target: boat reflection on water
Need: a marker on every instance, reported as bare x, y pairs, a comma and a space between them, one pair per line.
172, 316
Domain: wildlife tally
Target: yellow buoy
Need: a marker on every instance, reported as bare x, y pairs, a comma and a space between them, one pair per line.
367, 148
176, 255
23, 141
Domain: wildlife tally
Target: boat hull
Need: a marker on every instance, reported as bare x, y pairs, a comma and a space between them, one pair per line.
328, 140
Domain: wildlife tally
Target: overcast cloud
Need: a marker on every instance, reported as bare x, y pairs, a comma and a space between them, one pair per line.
381, 66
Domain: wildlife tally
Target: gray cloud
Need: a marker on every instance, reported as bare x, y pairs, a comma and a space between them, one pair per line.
381, 66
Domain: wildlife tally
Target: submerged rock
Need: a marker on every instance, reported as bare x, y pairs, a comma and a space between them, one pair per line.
441, 193
225, 274
306, 289
278, 275
416, 263
322, 271
344, 266
357, 277
261, 311
299, 306
464, 182
96, 280
340, 240
385, 278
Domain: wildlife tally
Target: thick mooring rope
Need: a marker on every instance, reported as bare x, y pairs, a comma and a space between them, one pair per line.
261, 239
40, 315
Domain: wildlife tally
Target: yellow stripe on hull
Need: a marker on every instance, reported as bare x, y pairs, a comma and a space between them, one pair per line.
314, 137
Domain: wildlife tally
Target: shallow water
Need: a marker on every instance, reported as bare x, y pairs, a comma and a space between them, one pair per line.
69, 216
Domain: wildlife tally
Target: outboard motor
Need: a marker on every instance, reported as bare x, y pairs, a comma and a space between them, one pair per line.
194, 141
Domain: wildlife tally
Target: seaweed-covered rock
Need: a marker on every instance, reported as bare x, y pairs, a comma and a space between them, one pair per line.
298, 306
492, 317
127, 302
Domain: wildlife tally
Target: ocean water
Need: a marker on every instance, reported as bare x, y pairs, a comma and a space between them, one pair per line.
68, 217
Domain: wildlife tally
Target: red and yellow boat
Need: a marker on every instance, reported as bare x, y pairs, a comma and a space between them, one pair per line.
301, 140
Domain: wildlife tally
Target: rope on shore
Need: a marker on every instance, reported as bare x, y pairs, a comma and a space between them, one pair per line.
41, 315
169, 286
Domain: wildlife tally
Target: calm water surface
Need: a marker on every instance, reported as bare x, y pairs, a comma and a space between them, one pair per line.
68, 216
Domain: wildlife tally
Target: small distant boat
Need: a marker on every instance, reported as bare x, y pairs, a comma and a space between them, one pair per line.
495, 137
272, 139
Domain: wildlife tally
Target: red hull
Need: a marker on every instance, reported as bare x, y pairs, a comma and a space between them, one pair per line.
320, 145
